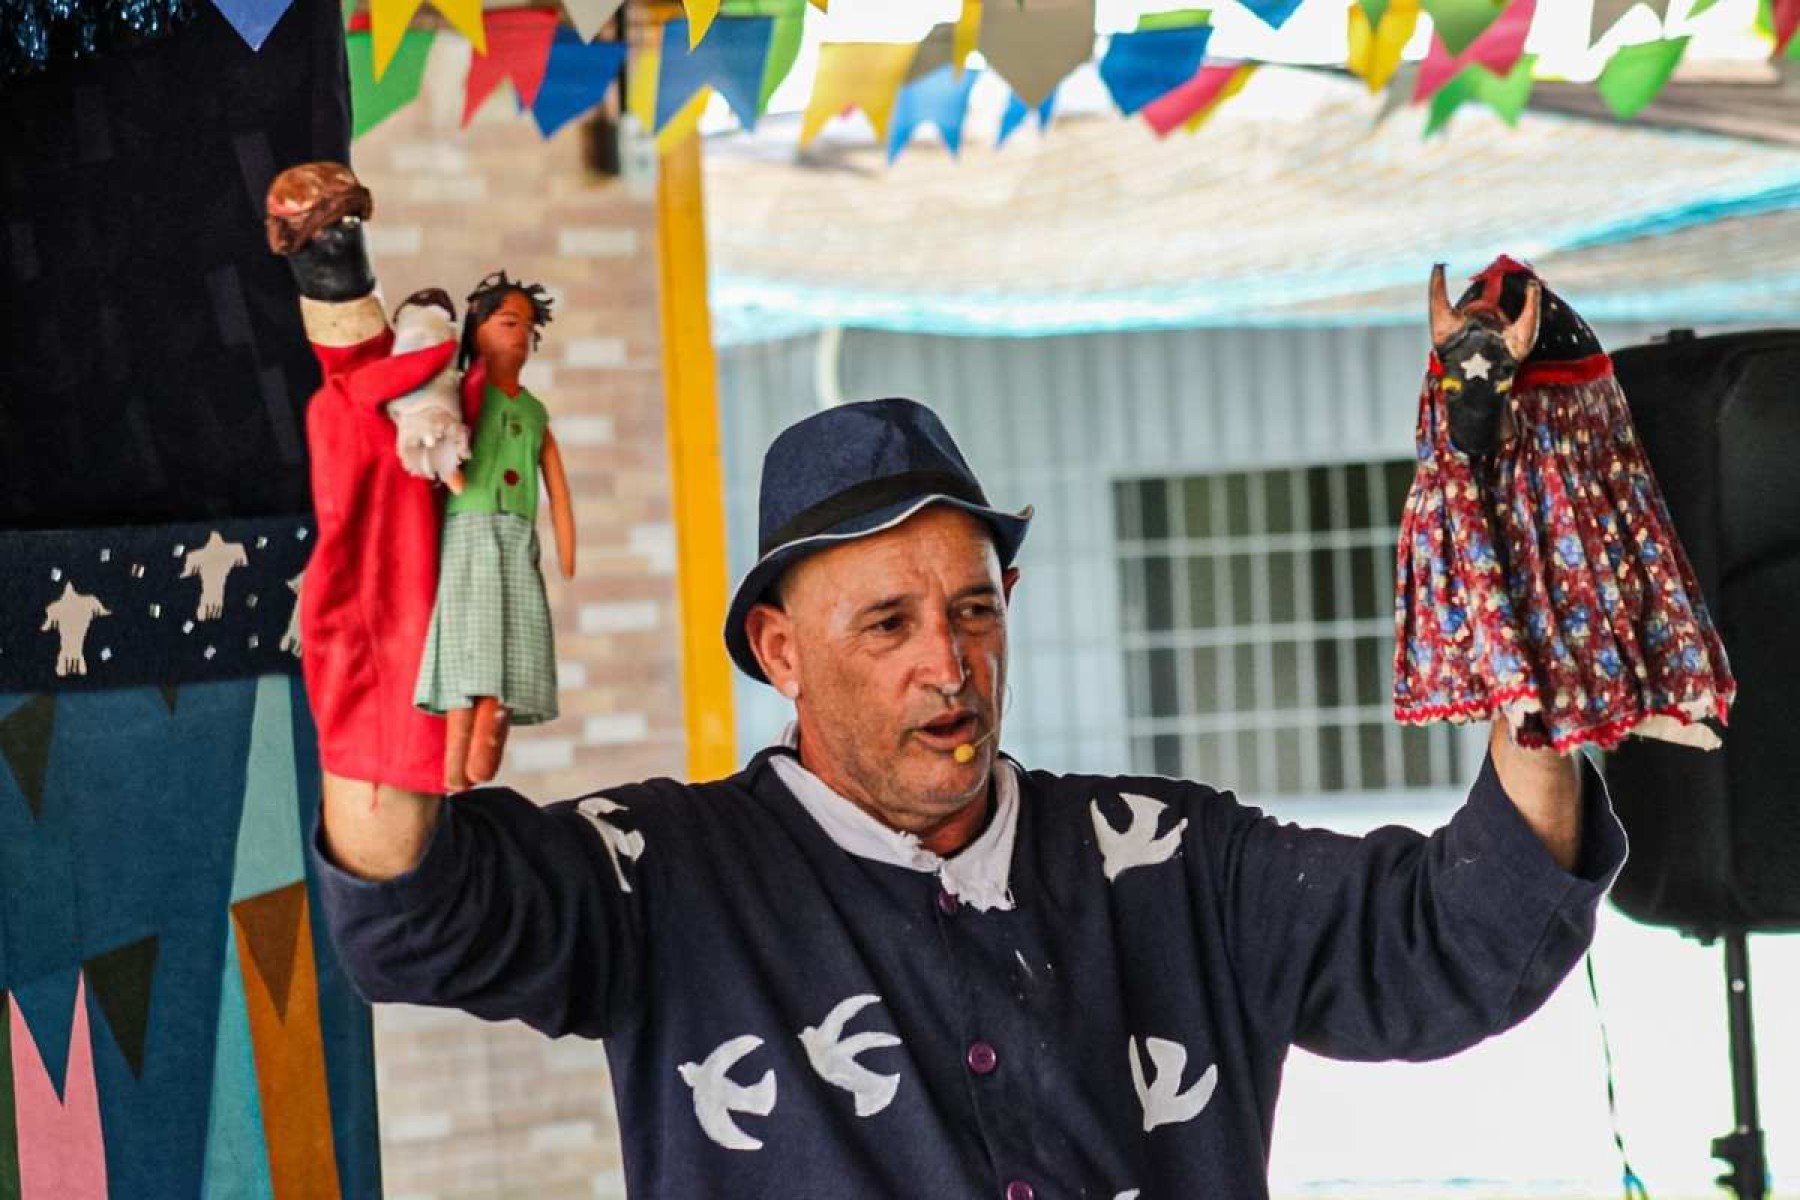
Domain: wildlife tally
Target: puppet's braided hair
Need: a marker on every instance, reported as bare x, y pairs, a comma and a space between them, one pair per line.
487, 297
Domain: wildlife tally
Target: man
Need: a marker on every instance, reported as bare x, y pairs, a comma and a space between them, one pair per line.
884, 960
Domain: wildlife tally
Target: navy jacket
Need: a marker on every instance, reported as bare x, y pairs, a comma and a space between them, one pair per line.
785, 1019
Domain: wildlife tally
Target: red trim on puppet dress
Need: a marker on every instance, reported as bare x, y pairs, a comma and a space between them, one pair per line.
1463, 710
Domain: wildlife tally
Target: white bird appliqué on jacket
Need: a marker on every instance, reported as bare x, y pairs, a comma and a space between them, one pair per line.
1164, 1103
834, 1056
716, 1097
1138, 845
617, 841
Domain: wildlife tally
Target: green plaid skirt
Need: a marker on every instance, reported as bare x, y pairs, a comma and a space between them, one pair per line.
490, 631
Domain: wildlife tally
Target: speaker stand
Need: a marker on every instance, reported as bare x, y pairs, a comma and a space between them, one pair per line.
1742, 1149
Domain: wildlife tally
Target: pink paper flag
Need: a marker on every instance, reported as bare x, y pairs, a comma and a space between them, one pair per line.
1498, 49
62, 1155
1172, 108
518, 48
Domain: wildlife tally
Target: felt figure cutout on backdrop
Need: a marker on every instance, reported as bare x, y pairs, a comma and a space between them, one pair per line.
490, 660
68, 616
372, 578
1539, 576
213, 563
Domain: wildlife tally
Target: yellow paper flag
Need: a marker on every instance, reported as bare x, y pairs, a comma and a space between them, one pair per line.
1375, 49
968, 33
640, 84
1232, 87
388, 20
865, 75
822, 5
700, 14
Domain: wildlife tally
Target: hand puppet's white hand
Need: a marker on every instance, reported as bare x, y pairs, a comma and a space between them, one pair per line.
430, 436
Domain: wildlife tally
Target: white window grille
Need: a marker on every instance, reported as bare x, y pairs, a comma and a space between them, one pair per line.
1258, 631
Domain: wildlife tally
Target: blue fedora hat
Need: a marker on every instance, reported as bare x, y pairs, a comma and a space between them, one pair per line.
849, 471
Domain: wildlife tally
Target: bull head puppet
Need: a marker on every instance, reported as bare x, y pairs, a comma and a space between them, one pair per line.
1539, 578
1480, 352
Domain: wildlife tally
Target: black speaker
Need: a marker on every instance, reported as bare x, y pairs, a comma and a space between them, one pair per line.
1715, 836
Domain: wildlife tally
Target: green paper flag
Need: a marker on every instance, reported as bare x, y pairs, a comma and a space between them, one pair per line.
1635, 74
784, 48
1460, 22
373, 102
1374, 10
1181, 18
1506, 94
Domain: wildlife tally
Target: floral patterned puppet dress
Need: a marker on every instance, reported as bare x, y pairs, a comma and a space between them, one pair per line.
1539, 575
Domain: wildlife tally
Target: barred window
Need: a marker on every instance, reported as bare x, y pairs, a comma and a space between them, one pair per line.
1259, 631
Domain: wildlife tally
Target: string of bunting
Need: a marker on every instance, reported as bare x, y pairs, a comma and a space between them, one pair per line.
559, 67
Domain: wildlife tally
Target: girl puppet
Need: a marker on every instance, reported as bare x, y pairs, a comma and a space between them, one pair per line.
489, 662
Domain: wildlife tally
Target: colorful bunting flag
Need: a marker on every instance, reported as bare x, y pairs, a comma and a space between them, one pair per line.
730, 61
1607, 13
1239, 77
1017, 111
643, 82
1785, 17
591, 16
1140, 66
700, 14
1506, 94
1635, 74
784, 48
373, 100
1497, 48
1035, 48
576, 78
518, 49
865, 75
967, 34
388, 21
253, 19
1379, 33
940, 99
1274, 13
1207, 87
1460, 22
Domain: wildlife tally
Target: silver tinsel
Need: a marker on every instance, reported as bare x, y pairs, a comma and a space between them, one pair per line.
35, 34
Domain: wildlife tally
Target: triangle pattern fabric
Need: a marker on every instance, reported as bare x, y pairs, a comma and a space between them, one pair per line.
61, 1153
270, 851
271, 925
171, 693
253, 19
25, 744
119, 982
9, 1126
237, 1151
45, 1008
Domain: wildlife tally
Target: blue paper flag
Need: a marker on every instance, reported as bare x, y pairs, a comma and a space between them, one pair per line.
253, 19
1273, 12
576, 78
730, 59
939, 98
1016, 112
1139, 67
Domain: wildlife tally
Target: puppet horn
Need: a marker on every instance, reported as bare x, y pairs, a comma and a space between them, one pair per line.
1444, 321
1522, 334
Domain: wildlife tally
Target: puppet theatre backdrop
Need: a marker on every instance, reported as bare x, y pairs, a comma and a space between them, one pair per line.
172, 1020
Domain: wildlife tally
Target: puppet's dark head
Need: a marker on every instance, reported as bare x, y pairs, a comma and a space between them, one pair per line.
315, 215
1481, 349
486, 300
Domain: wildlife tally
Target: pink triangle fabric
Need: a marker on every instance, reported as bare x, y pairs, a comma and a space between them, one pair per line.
1545, 583
62, 1155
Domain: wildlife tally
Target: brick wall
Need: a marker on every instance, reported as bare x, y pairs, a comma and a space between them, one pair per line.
472, 1110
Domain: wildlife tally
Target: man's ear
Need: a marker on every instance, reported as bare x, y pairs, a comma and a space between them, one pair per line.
1008, 577
770, 632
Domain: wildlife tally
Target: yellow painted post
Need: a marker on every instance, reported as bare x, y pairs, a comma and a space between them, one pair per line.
691, 397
